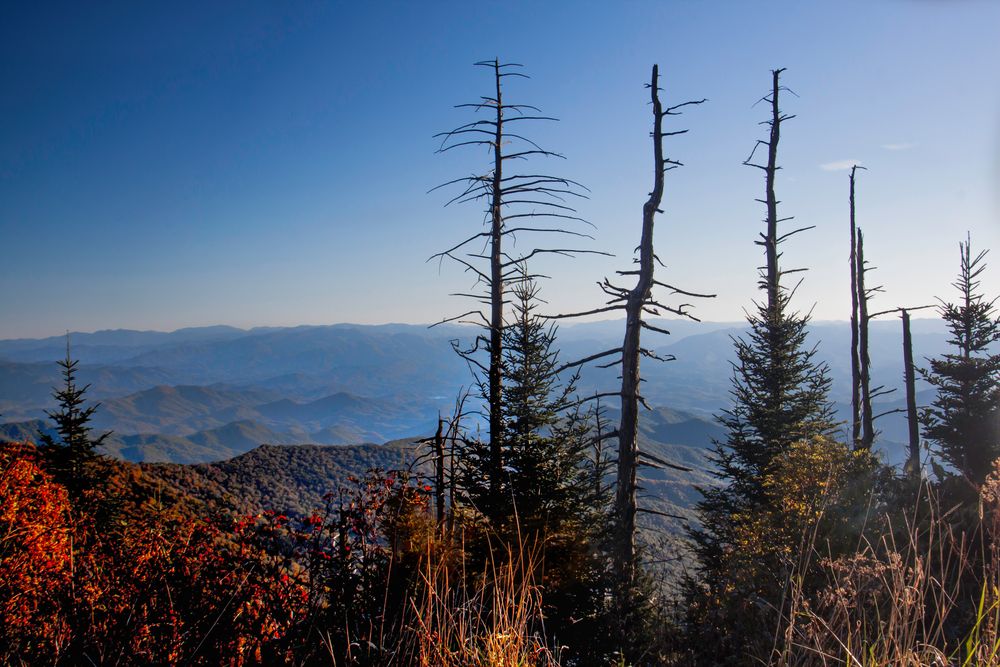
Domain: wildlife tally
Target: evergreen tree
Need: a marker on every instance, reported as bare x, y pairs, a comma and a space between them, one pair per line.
779, 395
73, 457
547, 441
548, 503
964, 421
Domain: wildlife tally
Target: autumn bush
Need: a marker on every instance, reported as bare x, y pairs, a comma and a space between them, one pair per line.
817, 494
35, 557
139, 588
368, 579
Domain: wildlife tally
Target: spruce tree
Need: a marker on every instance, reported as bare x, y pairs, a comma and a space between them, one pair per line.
71, 458
547, 443
548, 502
779, 393
963, 423
546, 481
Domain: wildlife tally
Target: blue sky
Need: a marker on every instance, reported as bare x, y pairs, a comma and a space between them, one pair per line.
268, 163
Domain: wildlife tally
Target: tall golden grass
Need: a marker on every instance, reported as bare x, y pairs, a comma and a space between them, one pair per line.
925, 594
491, 619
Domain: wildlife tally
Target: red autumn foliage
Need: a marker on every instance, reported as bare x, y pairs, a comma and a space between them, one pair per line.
34, 550
134, 587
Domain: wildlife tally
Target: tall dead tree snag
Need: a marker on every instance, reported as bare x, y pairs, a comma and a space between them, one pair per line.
862, 418
637, 302
912, 465
863, 378
909, 377
855, 354
516, 203
770, 173
864, 373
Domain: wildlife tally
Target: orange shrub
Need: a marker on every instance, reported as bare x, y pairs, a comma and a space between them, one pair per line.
35, 555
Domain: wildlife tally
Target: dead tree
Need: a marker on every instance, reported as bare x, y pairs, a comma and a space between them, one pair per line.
909, 377
770, 280
442, 455
516, 203
770, 242
855, 358
867, 421
439, 467
636, 302
912, 466
868, 393
862, 393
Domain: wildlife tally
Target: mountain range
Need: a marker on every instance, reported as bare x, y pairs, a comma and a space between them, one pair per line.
210, 393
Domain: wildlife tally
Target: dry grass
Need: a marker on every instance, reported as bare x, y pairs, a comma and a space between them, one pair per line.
930, 597
490, 623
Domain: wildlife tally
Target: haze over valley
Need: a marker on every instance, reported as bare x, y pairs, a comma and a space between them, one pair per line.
206, 394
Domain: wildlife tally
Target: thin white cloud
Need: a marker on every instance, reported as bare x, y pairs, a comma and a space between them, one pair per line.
839, 165
898, 147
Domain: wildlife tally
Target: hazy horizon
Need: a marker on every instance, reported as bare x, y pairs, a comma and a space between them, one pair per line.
916, 318
271, 166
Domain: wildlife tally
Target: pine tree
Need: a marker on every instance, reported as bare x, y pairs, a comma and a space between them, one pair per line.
779, 395
72, 457
546, 480
964, 421
548, 502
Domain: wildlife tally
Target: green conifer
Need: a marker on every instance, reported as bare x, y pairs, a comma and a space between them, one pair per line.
963, 423
72, 458
780, 396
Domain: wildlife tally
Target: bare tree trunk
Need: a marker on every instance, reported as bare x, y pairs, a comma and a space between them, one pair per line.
771, 241
496, 300
530, 198
451, 485
913, 461
598, 449
439, 482
855, 361
867, 418
628, 429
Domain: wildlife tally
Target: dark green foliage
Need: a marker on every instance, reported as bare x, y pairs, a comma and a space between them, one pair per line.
779, 398
964, 421
547, 441
549, 498
289, 480
779, 393
73, 458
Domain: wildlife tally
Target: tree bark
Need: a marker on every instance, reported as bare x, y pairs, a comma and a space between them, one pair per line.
913, 461
496, 301
771, 242
855, 360
867, 419
439, 482
628, 428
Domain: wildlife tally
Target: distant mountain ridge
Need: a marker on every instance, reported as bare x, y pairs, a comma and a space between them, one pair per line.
210, 393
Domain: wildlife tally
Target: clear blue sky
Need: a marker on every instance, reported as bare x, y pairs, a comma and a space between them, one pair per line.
167, 164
